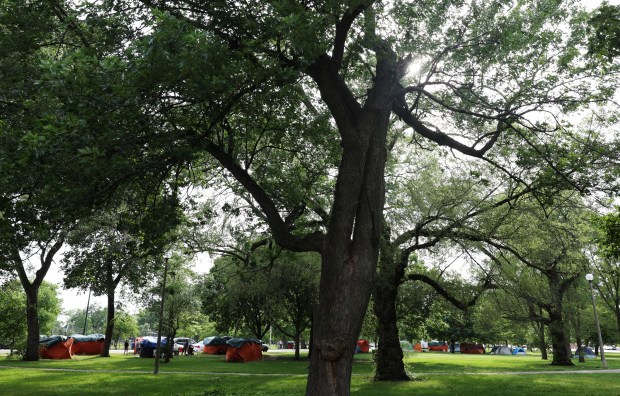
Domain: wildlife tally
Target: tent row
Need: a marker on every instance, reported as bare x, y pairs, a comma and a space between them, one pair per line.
63, 347
464, 347
235, 349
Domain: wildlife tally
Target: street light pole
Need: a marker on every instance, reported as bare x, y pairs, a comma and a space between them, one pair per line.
589, 278
161, 314
87, 306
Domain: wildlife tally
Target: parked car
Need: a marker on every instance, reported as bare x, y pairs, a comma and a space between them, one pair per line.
179, 344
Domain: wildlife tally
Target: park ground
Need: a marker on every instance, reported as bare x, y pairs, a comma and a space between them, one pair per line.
279, 374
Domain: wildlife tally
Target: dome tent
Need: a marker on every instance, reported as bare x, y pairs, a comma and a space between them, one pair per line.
244, 350
87, 345
441, 346
362, 346
587, 353
148, 345
501, 350
55, 347
406, 346
472, 348
215, 345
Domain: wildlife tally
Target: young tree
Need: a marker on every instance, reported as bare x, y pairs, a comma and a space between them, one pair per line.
13, 323
606, 266
79, 321
539, 252
295, 278
115, 247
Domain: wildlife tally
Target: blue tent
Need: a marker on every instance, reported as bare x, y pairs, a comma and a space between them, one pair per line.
148, 345
587, 352
518, 351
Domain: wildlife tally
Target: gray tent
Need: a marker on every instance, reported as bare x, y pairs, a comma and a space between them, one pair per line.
501, 350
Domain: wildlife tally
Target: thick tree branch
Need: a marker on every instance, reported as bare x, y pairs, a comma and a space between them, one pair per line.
342, 31
445, 294
443, 139
279, 228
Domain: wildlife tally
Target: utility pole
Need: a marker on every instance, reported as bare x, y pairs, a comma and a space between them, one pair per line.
589, 278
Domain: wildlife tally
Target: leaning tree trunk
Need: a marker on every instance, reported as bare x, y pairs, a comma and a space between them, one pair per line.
32, 318
389, 356
351, 249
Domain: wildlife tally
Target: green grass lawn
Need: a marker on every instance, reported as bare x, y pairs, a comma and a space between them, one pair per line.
438, 374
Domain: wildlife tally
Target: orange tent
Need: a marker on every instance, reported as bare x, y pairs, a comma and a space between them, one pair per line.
55, 347
472, 348
215, 345
438, 346
417, 347
243, 350
362, 346
87, 345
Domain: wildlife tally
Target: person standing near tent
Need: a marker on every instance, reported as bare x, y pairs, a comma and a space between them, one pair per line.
126, 347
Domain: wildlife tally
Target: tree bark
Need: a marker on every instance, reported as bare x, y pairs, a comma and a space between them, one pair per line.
32, 294
579, 351
543, 343
109, 328
389, 356
557, 330
351, 249
32, 318
296, 338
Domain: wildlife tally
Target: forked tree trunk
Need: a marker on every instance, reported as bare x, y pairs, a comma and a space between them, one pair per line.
351, 247
32, 295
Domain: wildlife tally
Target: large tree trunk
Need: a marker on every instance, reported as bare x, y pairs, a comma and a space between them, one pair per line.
389, 356
351, 248
109, 328
557, 330
32, 318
